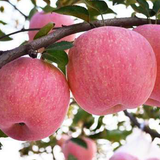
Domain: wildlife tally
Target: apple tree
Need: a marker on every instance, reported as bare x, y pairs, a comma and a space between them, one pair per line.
112, 70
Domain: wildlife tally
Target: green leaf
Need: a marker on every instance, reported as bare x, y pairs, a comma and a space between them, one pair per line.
58, 56
129, 2
48, 9
71, 157
140, 9
34, 2
99, 6
2, 9
2, 134
144, 4
47, 1
80, 142
0, 145
32, 12
77, 11
44, 31
6, 38
63, 45
118, 2
156, 6
2, 22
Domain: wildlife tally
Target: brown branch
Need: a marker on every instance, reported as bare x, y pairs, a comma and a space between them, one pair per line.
145, 128
10, 55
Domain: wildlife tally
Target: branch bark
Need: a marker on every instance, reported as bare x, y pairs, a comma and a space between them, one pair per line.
7, 56
145, 128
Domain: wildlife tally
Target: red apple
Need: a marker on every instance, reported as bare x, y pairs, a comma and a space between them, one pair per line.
111, 69
63, 139
40, 19
152, 33
34, 99
122, 156
79, 152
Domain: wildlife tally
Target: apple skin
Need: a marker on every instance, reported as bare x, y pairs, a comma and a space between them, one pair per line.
151, 33
40, 19
152, 159
34, 99
62, 140
123, 156
111, 69
78, 151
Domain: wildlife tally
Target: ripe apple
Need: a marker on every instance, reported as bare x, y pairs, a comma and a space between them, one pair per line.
111, 69
40, 19
151, 33
79, 152
122, 156
34, 99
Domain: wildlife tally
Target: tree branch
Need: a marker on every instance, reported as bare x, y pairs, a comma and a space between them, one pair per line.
17, 9
145, 128
10, 55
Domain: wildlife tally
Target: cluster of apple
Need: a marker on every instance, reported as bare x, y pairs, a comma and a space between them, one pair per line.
110, 69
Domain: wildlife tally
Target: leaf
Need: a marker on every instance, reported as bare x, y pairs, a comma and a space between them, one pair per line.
140, 9
34, 2
58, 56
129, 2
2, 9
32, 12
2, 22
0, 145
47, 1
144, 4
118, 2
76, 11
80, 142
44, 31
156, 6
71, 157
48, 9
2, 134
62, 3
63, 45
100, 6
6, 38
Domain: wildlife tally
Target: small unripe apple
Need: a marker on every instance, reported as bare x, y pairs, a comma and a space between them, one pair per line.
34, 99
40, 19
122, 156
152, 33
78, 151
111, 69
63, 139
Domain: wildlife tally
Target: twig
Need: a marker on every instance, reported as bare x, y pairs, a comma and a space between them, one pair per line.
145, 128
10, 55
22, 30
25, 30
17, 9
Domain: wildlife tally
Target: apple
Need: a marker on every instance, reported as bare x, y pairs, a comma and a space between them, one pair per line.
152, 159
152, 33
78, 151
40, 19
111, 69
122, 156
34, 99
62, 140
